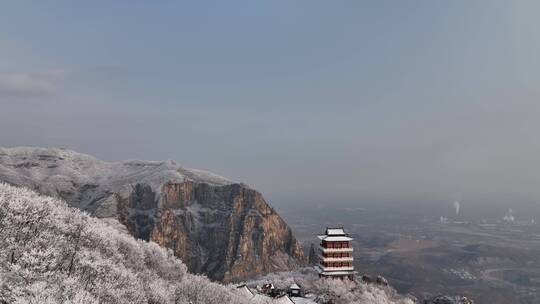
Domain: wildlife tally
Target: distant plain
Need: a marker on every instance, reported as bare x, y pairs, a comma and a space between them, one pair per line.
428, 249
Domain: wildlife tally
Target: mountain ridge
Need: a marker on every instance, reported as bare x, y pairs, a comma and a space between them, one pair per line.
218, 227
53, 253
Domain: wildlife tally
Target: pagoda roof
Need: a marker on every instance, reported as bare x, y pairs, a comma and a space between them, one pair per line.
334, 238
335, 231
331, 273
341, 272
282, 299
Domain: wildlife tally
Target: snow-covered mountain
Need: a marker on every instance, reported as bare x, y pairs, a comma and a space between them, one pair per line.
84, 180
51, 253
216, 226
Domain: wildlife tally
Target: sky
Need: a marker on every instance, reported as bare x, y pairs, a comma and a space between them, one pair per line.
307, 101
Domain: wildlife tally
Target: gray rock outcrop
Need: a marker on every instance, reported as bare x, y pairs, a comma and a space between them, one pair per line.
218, 227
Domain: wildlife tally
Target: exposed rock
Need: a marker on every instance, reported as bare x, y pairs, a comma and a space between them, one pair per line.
313, 259
449, 300
216, 226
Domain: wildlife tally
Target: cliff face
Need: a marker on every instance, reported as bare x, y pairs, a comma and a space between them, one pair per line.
228, 232
220, 228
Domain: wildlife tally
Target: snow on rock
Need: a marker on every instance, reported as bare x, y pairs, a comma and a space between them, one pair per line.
61, 172
218, 227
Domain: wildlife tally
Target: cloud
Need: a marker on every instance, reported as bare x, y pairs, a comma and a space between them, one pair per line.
25, 85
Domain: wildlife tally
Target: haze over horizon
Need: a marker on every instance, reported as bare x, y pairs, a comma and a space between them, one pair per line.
381, 100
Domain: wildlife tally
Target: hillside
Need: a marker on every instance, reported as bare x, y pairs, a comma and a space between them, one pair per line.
218, 227
52, 253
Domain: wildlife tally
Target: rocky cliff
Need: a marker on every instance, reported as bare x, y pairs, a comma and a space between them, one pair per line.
218, 227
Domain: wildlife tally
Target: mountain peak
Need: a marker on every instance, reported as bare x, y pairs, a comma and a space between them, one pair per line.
216, 226
54, 170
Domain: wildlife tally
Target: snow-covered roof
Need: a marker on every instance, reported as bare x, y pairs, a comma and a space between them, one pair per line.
244, 291
300, 300
294, 286
339, 273
344, 272
335, 238
258, 298
335, 231
335, 235
283, 299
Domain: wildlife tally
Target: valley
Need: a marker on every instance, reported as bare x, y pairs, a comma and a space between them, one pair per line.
488, 259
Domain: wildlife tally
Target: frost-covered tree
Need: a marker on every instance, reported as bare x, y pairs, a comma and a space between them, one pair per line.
50, 253
333, 291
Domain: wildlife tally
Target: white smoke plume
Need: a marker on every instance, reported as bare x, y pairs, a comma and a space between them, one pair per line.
457, 206
509, 217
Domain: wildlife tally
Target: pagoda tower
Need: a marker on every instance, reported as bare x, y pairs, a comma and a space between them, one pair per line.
335, 255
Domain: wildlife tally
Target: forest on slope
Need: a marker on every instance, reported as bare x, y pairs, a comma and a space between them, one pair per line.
220, 228
52, 253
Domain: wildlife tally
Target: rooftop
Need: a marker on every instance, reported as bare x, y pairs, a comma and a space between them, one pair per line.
335, 231
338, 273
335, 238
336, 234
244, 291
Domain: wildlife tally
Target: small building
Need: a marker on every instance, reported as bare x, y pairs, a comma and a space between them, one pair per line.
335, 255
269, 289
295, 290
257, 298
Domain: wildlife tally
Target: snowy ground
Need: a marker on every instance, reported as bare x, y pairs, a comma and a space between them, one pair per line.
60, 172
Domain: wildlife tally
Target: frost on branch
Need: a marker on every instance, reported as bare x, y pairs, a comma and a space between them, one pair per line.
50, 253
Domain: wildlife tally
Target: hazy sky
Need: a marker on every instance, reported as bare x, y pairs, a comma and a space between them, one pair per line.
304, 100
